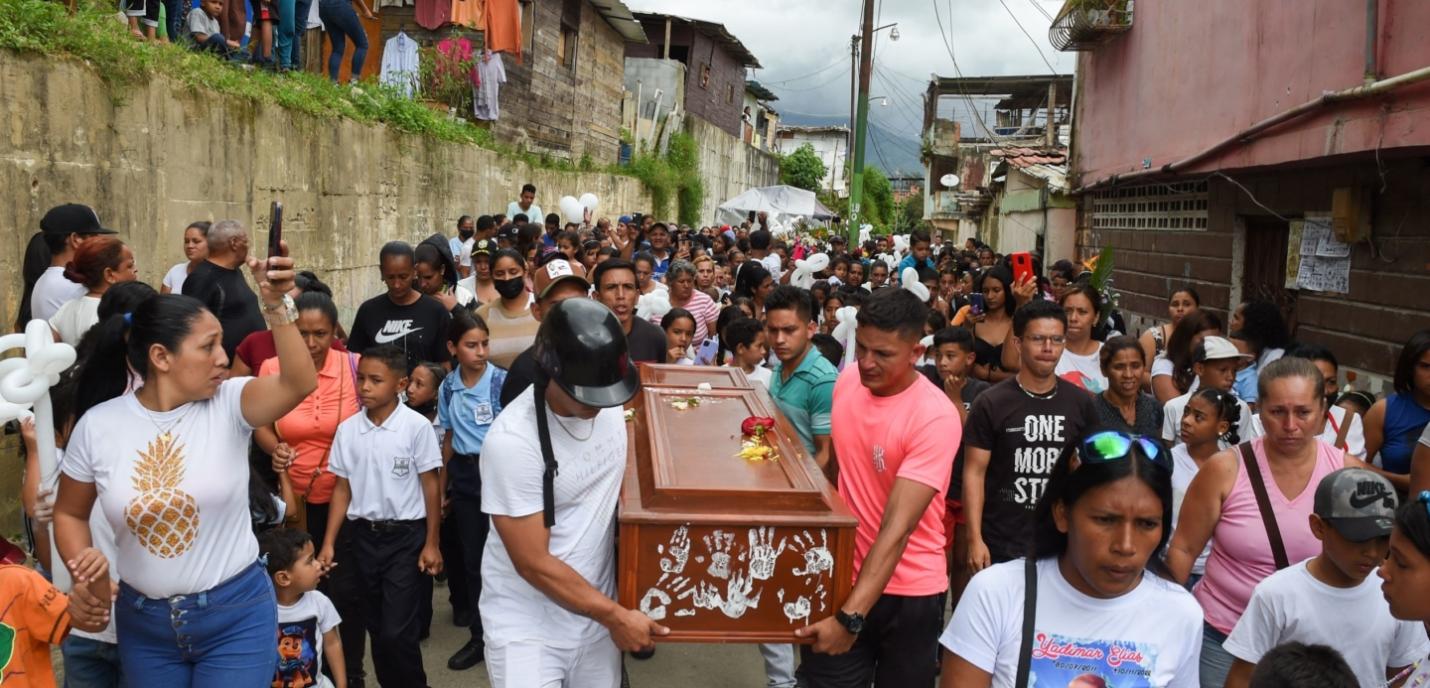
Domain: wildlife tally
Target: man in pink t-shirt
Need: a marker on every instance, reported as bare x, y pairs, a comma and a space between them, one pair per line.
895, 435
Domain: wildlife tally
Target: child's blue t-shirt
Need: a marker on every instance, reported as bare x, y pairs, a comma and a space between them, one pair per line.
469, 411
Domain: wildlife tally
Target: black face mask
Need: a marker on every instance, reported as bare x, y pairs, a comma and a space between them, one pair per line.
466, 233
510, 288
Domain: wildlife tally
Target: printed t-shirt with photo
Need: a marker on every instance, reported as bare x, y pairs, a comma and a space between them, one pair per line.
1115, 641
1025, 435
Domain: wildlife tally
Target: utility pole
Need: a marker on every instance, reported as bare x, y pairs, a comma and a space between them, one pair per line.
861, 122
853, 114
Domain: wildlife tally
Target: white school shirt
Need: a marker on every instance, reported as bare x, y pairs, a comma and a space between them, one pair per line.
75, 318
383, 464
51, 291
1292, 605
400, 65
305, 622
1248, 428
1075, 634
586, 489
1184, 468
208, 462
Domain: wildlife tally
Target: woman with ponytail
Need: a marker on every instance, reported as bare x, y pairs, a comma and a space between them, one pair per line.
162, 464
98, 264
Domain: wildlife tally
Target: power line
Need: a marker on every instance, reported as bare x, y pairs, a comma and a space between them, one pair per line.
820, 85
948, 45
839, 63
1041, 11
1036, 47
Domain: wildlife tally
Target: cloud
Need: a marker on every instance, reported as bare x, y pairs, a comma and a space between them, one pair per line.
803, 46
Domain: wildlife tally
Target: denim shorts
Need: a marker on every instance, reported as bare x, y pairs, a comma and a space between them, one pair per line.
223, 636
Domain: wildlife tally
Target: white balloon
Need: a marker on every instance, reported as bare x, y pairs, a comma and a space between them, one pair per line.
804, 270
844, 332
653, 306
590, 202
571, 209
910, 280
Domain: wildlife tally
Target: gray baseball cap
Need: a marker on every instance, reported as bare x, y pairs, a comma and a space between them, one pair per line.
1358, 503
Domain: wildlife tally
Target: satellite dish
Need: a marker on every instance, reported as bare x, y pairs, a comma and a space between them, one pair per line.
949, 181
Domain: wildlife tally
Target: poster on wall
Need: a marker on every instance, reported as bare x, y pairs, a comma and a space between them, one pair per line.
1315, 259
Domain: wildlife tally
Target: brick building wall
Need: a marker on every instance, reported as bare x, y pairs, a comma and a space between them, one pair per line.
717, 99
1390, 273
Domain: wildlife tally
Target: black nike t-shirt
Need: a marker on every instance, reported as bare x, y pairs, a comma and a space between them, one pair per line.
419, 329
1024, 435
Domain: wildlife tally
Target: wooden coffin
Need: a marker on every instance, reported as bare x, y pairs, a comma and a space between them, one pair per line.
714, 546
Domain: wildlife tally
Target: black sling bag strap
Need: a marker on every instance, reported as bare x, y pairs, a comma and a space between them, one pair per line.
543, 431
1263, 502
1030, 614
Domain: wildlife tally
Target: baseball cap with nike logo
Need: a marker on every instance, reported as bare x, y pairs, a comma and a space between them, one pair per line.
1358, 503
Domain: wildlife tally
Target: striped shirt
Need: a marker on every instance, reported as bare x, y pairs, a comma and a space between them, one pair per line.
510, 334
705, 311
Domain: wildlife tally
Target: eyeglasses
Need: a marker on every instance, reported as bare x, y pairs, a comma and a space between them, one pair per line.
1110, 445
1044, 340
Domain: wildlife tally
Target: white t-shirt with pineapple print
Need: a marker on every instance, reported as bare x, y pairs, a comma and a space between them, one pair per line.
174, 486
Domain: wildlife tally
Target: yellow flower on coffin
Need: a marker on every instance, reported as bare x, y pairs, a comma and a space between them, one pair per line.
753, 451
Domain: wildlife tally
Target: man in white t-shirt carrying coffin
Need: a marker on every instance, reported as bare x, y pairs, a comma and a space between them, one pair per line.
551, 471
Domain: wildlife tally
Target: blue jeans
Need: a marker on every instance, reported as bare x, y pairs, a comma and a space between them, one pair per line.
300, 29
1216, 661
91, 663
219, 637
340, 20
174, 18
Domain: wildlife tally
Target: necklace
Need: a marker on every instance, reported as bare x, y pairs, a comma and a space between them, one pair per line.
1035, 395
166, 433
572, 435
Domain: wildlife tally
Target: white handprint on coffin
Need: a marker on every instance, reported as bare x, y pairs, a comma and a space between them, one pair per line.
677, 553
719, 544
817, 559
736, 600
764, 553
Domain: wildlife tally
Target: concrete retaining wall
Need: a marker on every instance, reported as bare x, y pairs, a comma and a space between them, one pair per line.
163, 156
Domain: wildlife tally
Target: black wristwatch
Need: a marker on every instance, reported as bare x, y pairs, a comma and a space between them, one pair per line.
854, 623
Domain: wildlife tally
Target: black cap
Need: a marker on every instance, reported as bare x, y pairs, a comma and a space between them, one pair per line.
582, 347
73, 218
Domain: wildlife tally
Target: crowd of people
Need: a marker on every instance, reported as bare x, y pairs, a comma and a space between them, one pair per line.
1011, 451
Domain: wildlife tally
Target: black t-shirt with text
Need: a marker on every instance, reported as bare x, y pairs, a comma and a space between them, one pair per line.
225, 293
419, 329
1025, 435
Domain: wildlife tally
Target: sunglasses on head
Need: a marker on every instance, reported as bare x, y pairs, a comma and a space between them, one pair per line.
1110, 445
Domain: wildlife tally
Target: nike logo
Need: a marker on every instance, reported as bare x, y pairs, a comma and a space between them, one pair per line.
1367, 493
394, 330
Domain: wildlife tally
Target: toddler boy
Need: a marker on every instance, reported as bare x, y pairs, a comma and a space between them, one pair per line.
304, 614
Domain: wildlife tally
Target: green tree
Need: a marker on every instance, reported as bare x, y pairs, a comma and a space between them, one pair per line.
802, 168
911, 213
878, 201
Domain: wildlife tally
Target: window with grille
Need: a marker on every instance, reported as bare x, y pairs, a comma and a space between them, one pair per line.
1172, 207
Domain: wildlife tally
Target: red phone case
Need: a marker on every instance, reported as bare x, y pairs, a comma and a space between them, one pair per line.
1022, 265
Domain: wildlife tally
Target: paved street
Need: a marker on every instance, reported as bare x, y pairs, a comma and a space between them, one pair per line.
674, 664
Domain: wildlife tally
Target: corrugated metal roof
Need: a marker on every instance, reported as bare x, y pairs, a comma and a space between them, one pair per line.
621, 19
1047, 164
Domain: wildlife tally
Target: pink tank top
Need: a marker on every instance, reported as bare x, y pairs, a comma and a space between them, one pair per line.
1241, 552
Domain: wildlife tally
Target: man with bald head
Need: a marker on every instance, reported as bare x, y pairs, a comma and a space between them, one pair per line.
218, 283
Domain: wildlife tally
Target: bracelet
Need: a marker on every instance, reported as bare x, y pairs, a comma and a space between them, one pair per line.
281, 313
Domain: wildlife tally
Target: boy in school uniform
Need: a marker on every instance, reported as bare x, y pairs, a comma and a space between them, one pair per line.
1216, 364
1334, 598
387, 463
307, 620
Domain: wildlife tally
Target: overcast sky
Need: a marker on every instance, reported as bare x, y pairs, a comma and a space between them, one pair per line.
804, 48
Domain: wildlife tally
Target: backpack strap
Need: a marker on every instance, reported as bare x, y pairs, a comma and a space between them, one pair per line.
1030, 615
548, 456
1263, 502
